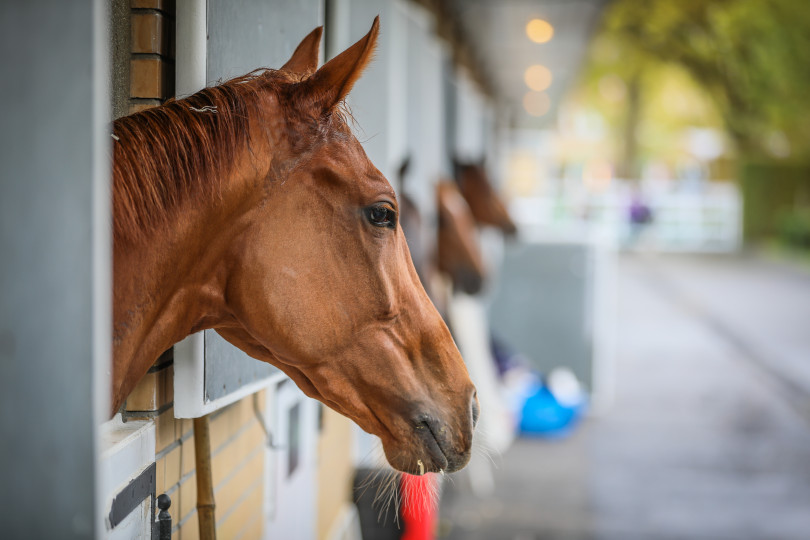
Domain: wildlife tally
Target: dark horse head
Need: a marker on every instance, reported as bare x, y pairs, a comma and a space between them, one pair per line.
459, 253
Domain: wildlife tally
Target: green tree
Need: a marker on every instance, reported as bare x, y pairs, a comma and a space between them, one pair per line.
751, 56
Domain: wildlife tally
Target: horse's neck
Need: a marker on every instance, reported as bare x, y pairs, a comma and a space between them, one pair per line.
148, 309
167, 287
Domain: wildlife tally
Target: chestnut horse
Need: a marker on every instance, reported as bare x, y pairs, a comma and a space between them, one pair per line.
459, 254
486, 205
250, 208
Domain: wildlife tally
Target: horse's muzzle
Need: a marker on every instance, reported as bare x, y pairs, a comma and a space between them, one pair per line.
447, 450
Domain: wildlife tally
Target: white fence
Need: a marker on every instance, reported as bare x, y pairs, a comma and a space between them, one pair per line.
708, 220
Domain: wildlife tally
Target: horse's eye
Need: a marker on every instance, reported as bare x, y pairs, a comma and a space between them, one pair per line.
381, 215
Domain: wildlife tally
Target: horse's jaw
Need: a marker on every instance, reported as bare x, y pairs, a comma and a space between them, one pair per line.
424, 417
421, 429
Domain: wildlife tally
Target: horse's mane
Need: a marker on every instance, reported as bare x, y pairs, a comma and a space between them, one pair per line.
182, 149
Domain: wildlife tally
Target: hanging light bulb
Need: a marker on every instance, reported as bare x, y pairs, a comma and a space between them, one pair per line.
539, 31
536, 103
537, 77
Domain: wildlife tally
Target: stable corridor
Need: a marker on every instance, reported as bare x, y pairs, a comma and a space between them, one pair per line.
709, 433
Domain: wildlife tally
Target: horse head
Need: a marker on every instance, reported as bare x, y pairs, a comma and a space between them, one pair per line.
250, 208
459, 255
486, 205
321, 283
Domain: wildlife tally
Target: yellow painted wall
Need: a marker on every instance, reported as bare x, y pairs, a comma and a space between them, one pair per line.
335, 469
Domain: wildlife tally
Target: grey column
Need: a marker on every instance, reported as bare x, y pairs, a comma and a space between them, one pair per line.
54, 265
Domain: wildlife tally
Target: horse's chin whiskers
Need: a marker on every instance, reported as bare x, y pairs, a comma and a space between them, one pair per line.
387, 495
391, 494
386, 479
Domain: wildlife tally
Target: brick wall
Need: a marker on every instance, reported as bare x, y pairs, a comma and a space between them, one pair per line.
151, 64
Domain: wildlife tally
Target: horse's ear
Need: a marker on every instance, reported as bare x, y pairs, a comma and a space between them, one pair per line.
330, 84
403, 168
304, 61
403, 171
456, 168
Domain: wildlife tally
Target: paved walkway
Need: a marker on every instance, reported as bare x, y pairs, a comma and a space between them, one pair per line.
709, 435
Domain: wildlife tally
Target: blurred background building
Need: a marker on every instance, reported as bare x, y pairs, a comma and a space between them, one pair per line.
638, 328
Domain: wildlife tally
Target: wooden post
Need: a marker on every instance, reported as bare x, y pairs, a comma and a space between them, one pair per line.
205, 486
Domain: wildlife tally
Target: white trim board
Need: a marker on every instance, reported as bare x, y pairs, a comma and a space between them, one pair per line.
189, 381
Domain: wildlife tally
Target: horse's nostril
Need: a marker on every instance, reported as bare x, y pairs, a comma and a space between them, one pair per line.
434, 436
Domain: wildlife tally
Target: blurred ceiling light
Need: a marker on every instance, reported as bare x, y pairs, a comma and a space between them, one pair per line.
539, 31
537, 77
536, 103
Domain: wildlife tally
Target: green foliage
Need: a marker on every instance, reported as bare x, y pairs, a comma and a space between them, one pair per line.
773, 193
794, 228
751, 56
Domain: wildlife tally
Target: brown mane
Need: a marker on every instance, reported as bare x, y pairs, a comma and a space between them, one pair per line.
182, 149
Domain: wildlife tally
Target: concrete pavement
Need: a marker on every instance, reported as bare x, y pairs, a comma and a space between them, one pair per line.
709, 435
